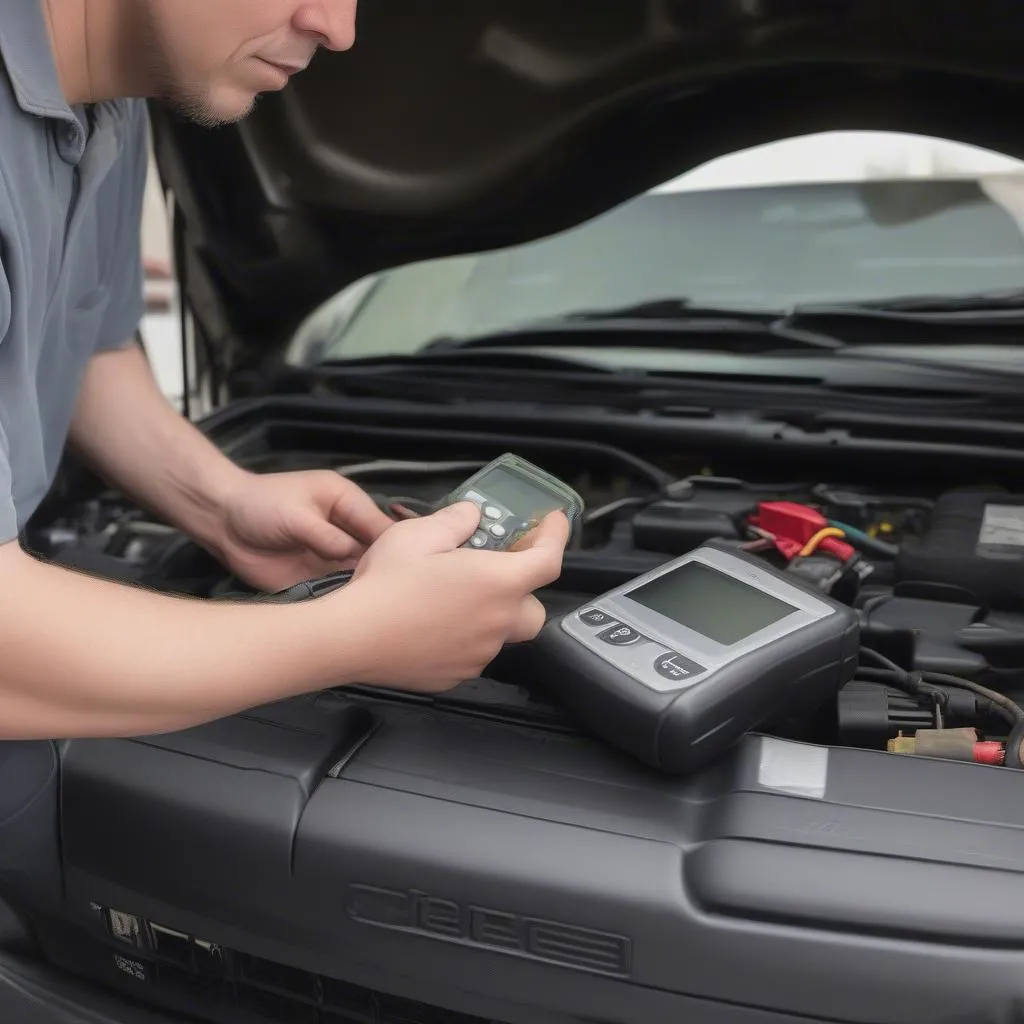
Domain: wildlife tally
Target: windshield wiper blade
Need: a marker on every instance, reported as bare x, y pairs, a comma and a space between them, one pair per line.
676, 308
452, 358
973, 308
1003, 302
671, 324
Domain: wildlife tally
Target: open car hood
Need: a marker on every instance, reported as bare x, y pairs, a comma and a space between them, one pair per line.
459, 126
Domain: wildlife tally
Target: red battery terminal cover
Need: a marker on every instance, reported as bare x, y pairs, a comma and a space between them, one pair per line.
793, 526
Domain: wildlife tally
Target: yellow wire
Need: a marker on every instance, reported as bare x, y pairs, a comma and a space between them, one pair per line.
812, 545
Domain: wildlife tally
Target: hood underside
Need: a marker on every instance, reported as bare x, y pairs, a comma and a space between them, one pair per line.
463, 125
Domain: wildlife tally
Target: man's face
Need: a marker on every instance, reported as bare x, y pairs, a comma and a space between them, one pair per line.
211, 58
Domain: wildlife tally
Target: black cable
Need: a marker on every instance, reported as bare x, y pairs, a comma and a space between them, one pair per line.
911, 683
885, 662
928, 683
617, 505
1011, 711
408, 467
418, 505
180, 266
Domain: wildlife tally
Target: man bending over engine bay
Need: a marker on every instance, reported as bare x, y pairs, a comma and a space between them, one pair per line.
80, 656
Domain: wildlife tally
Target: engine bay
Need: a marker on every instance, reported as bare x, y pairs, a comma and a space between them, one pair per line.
935, 571
371, 856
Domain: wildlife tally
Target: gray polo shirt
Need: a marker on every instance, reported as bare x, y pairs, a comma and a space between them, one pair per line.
71, 279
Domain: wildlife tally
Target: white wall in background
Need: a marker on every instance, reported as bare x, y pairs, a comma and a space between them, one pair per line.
155, 234
844, 156
160, 329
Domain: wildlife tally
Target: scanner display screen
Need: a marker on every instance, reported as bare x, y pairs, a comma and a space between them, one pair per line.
516, 492
711, 603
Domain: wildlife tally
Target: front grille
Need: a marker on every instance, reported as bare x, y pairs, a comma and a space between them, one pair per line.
222, 979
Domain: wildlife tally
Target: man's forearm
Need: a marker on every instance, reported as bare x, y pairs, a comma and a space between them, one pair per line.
86, 657
128, 431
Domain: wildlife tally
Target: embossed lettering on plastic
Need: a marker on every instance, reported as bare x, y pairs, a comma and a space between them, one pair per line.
133, 968
498, 930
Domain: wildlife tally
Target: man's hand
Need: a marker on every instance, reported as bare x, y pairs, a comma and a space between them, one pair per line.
86, 657
274, 531
281, 528
430, 613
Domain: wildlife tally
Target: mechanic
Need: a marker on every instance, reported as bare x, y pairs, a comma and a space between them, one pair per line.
81, 656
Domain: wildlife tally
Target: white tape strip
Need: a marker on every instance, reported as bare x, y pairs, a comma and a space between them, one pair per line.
797, 768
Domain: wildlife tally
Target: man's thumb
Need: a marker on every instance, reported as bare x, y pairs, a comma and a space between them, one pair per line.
448, 528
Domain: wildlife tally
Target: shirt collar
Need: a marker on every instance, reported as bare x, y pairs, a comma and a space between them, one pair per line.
27, 54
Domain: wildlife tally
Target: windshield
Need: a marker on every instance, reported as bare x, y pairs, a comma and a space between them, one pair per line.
859, 218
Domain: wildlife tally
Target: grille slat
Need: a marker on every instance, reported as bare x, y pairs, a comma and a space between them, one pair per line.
227, 980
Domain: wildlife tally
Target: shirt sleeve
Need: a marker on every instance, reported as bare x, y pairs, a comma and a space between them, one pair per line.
8, 513
125, 271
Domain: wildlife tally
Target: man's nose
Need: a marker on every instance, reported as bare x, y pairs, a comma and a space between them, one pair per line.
333, 21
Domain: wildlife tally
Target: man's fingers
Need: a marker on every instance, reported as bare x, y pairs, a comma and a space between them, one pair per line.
444, 530
325, 540
552, 532
539, 554
357, 513
544, 546
545, 533
532, 617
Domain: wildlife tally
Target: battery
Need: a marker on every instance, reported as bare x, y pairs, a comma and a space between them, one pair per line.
974, 541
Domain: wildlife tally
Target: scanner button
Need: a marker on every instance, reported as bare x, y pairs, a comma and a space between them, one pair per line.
677, 668
595, 617
620, 636
478, 540
490, 512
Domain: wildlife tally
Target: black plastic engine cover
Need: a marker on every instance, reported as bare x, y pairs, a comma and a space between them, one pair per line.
332, 855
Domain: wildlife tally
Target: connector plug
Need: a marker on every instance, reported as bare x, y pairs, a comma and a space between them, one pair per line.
794, 525
950, 744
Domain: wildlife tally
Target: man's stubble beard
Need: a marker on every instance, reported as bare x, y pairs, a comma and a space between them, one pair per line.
189, 102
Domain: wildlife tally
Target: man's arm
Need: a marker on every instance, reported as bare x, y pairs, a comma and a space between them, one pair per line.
272, 530
127, 429
81, 656
124, 426
86, 657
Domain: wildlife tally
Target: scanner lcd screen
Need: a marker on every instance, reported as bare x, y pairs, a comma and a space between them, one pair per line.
516, 492
711, 603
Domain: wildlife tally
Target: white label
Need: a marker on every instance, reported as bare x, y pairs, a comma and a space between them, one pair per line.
1003, 525
796, 768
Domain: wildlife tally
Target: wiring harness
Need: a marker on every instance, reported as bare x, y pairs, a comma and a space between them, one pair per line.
962, 744
799, 531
